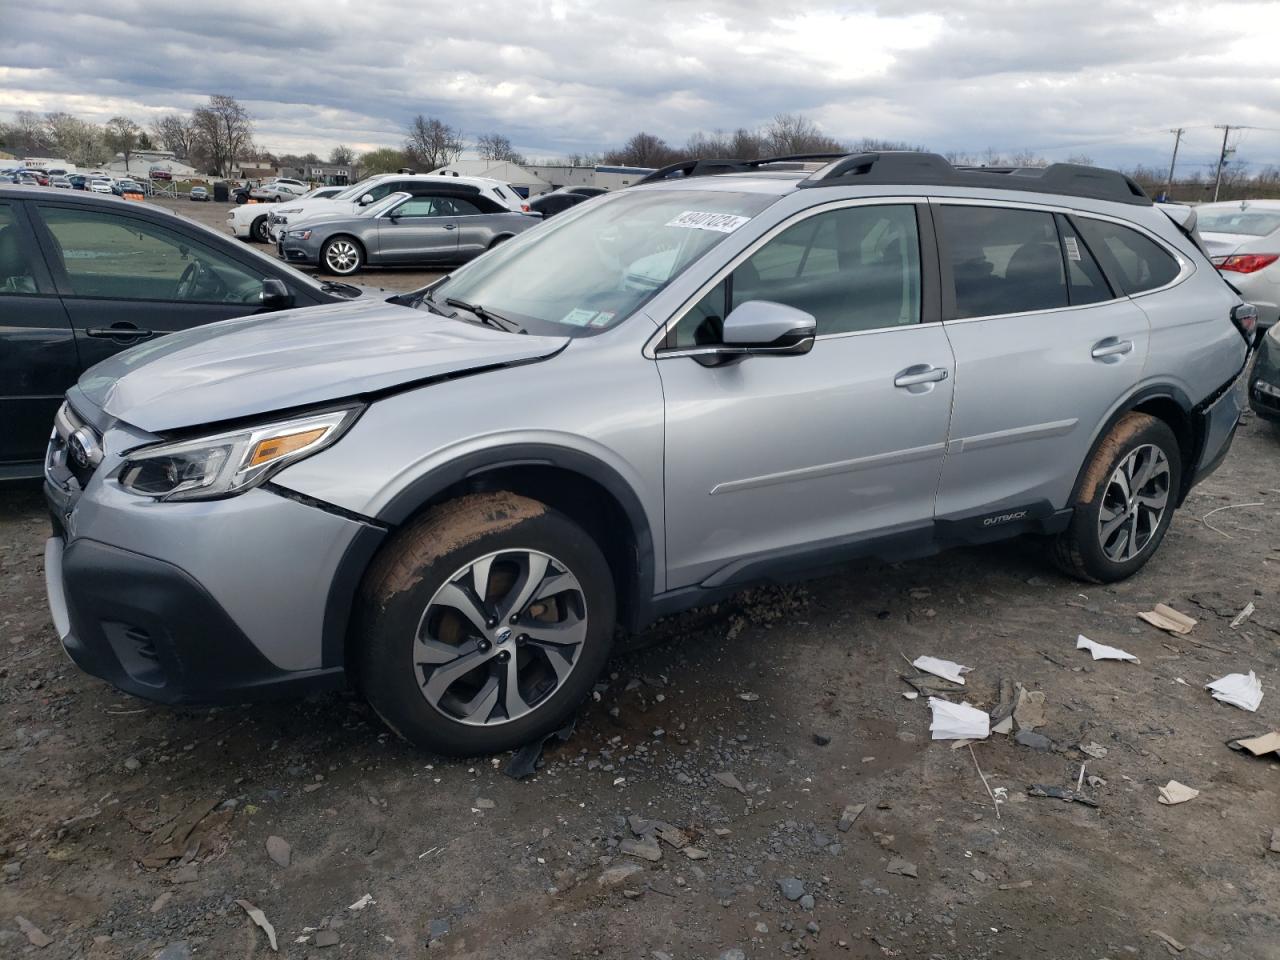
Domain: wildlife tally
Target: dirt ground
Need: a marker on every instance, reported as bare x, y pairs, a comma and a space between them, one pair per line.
132, 831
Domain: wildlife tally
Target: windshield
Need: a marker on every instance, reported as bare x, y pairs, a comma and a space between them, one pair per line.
354, 191
598, 266
1254, 223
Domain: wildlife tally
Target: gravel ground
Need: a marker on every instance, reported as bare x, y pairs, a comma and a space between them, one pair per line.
695, 812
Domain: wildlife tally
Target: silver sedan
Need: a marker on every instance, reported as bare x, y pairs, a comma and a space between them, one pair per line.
446, 226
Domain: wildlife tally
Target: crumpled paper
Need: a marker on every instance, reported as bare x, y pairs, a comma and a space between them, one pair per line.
1238, 690
958, 721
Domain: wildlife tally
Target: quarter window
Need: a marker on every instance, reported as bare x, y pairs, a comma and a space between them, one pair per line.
1085, 281
104, 255
1003, 260
1139, 264
16, 274
855, 268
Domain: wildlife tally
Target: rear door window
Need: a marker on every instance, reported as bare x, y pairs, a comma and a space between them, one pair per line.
17, 272
1085, 280
1003, 260
1137, 262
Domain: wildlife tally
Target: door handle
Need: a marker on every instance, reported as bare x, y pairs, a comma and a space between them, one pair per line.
1111, 347
451, 226
121, 332
921, 373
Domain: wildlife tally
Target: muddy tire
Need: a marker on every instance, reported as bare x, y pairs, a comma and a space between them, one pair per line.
483, 624
1125, 502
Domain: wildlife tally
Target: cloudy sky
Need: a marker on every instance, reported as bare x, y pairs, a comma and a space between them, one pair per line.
1107, 79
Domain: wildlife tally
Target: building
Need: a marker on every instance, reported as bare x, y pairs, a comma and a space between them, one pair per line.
610, 178
521, 178
142, 162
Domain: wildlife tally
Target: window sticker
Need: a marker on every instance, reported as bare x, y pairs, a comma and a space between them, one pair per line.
602, 319
1073, 248
697, 220
580, 317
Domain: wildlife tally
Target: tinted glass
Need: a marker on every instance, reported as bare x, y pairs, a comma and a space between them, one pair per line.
1003, 260
16, 274
1085, 281
857, 268
1137, 262
421, 207
463, 208
121, 257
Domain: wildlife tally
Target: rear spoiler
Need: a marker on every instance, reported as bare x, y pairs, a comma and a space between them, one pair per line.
1184, 218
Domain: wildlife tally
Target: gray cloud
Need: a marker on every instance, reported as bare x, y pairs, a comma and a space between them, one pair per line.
569, 75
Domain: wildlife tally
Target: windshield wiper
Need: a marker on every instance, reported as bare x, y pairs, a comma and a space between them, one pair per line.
486, 316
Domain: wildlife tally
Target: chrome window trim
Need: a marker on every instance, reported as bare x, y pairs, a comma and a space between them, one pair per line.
1185, 267
651, 351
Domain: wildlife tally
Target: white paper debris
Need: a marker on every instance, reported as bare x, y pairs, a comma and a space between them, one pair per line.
1175, 792
909, 695
1243, 615
362, 902
1101, 651
958, 721
1238, 690
946, 669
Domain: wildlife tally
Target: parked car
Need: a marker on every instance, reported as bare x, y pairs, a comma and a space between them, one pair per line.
1264, 380
684, 388
300, 186
275, 192
41, 178
83, 276
159, 173
32, 179
60, 181
249, 222
446, 224
101, 185
376, 188
1244, 239
78, 181
199, 193
558, 201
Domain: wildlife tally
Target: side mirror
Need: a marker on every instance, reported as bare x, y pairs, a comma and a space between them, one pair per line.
393, 217
366, 200
767, 328
275, 295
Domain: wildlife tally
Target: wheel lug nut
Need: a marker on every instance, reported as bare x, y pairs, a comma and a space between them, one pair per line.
504, 656
515, 617
520, 640
492, 622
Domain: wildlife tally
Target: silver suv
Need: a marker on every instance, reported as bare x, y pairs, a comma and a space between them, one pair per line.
735, 373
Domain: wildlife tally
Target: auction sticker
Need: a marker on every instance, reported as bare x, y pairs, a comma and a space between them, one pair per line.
697, 220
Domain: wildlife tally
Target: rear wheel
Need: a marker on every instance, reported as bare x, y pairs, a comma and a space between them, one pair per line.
1125, 502
341, 255
484, 624
259, 229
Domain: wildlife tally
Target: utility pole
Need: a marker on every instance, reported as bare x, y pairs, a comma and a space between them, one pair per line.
1177, 139
1222, 157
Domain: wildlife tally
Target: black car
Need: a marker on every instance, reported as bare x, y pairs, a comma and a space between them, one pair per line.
83, 276
558, 201
1264, 380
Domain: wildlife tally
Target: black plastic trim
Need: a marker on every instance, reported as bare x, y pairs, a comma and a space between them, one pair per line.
196, 653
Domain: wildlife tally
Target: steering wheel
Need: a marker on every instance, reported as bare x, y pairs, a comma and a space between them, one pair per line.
199, 282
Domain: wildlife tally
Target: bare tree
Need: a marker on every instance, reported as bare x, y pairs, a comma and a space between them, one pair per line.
342, 156
643, 150
122, 136
28, 134
224, 129
790, 133
494, 146
175, 133
74, 139
432, 143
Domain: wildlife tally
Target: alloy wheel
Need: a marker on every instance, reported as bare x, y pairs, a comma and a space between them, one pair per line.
1133, 503
500, 637
341, 256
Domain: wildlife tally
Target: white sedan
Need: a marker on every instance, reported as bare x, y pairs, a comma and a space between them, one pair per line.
248, 221
1243, 238
100, 186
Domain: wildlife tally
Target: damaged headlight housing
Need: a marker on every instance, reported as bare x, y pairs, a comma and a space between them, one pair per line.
227, 464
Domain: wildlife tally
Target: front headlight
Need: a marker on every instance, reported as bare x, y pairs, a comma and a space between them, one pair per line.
230, 463
299, 234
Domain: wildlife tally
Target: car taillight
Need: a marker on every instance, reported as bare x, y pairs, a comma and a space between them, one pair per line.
1245, 317
1246, 262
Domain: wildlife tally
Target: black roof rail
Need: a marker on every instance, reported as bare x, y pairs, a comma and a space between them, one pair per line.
930, 169
710, 168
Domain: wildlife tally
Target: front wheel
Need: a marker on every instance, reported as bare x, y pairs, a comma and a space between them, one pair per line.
1125, 502
342, 256
484, 624
259, 230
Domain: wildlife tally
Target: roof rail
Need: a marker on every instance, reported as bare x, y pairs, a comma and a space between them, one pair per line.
709, 168
904, 167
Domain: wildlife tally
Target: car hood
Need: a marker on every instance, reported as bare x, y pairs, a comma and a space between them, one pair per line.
268, 362
310, 209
